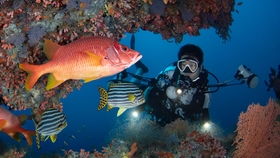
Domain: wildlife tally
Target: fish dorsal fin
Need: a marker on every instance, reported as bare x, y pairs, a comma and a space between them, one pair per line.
121, 110
36, 133
113, 84
50, 48
95, 59
131, 97
53, 138
103, 98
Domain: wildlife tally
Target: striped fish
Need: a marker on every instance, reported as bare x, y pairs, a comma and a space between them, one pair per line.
123, 95
52, 123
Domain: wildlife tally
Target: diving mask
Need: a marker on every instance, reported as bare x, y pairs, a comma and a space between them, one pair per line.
187, 65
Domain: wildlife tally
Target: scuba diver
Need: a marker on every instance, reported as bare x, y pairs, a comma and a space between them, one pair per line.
182, 89
178, 91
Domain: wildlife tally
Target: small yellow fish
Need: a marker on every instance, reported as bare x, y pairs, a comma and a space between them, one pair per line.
123, 95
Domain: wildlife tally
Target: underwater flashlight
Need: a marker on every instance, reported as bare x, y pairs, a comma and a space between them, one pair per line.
244, 73
206, 126
179, 91
135, 114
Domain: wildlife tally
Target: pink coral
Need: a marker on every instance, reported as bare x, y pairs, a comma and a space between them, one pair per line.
258, 132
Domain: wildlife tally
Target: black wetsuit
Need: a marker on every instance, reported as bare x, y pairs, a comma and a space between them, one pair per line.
166, 110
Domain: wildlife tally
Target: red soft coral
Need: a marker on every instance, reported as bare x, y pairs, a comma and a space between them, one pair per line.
258, 132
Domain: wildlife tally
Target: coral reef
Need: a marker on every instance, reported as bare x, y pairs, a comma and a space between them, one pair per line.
274, 81
173, 18
258, 135
117, 148
171, 141
258, 132
24, 25
200, 145
13, 153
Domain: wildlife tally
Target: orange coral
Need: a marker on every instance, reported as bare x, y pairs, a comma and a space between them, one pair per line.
133, 149
258, 132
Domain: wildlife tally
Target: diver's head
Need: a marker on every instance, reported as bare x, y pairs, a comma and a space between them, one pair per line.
190, 59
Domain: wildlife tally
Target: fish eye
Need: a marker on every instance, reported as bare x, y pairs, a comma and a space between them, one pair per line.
124, 48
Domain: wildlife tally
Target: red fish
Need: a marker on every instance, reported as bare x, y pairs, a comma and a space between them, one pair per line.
11, 124
87, 59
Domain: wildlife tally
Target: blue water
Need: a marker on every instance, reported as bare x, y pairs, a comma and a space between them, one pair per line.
254, 42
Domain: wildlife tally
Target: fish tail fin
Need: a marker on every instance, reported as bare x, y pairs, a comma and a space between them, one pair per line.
103, 98
28, 135
15, 136
34, 73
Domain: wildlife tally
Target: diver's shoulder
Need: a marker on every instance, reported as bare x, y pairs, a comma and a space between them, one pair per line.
170, 68
169, 71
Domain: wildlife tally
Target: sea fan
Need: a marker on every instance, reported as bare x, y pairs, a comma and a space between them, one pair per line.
258, 132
